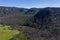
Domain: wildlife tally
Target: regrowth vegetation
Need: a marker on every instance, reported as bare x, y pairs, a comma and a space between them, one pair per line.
7, 34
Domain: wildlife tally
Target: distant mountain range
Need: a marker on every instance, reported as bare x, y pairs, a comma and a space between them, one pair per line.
14, 15
13, 10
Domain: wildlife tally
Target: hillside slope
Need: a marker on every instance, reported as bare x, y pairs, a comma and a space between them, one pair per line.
48, 22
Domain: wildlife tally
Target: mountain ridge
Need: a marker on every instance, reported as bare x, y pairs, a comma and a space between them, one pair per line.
41, 25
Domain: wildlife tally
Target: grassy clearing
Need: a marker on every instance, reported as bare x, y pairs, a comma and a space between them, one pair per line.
6, 34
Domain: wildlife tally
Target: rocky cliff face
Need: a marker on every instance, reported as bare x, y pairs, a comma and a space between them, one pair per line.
12, 10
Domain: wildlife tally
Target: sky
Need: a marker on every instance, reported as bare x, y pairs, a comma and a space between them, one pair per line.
30, 3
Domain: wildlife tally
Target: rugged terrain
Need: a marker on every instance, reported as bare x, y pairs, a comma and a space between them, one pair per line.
37, 23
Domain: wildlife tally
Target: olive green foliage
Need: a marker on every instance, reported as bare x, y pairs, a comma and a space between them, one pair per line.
23, 36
